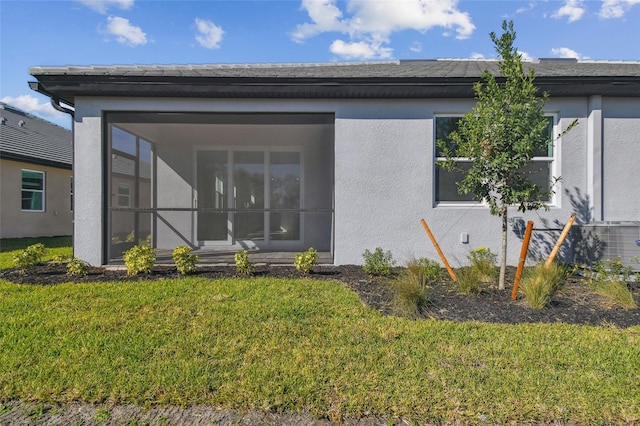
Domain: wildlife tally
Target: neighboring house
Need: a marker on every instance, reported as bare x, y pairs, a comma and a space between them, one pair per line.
35, 176
341, 157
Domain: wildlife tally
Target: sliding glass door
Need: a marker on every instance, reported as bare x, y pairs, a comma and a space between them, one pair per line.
263, 189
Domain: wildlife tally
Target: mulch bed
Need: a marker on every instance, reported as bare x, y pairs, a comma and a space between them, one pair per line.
575, 304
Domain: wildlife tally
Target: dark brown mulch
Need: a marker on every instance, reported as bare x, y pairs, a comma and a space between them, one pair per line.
575, 304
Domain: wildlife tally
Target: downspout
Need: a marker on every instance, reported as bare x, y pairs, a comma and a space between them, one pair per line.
55, 103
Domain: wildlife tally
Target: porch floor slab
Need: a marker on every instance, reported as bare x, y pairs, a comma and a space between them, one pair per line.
208, 256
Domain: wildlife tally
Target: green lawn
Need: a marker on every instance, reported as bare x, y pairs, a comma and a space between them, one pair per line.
303, 345
56, 246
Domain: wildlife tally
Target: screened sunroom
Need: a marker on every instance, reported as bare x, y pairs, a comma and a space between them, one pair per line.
219, 181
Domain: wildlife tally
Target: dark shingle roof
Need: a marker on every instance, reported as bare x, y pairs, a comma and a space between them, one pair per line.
398, 79
25, 137
388, 70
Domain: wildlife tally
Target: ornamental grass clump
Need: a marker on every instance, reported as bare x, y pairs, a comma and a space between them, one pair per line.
27, 259
243, 265
541, 283
306, 260
609, 279
185, 261
485, 263
468, 281
139, 259
410, 296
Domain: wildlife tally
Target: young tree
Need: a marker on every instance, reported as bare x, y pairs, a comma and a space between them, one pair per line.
500, 137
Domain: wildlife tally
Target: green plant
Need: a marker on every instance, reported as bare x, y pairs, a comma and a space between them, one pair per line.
540, 283
484, 261
425, 271
378, 262
101, 415
500, 137
27, 259
609, 278
617, 292
410, 296
139, 258
77, 267
58, 260
185, 261
243, 265
468, 280
306, 260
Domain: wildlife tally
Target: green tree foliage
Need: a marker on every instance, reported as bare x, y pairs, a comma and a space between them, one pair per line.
500, 136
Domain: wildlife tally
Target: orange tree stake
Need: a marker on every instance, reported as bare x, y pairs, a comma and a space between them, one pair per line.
435, 244
523, 257
565, 231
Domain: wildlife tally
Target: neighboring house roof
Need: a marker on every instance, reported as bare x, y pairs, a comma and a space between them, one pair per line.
397, 79
25, 137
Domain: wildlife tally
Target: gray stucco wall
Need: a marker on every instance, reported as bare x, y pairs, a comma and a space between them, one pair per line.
384, 168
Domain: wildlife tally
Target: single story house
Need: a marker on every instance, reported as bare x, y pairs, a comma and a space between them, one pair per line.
35, 176
340, 156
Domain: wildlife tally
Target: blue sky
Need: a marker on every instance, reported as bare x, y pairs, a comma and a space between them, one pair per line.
88, 32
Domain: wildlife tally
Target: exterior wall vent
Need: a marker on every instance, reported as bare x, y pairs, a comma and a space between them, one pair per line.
610, 240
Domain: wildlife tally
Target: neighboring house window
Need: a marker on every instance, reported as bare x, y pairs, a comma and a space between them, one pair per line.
32, 191
541, 168
124, 195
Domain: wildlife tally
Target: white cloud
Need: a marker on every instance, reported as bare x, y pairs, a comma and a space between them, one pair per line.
370, 24
476, 55
573, 9
565, 52
102, 6
32, 105
360, 50
526, 57
125, 32
416, 46
527, 8
616, 8
209, 34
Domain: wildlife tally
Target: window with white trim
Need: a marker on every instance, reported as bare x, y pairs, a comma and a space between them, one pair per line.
541, 169
33, 195
124, 195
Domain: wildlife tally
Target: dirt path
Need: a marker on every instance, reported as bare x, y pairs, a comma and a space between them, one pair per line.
22, 414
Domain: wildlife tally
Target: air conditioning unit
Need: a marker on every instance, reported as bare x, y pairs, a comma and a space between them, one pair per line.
610, 241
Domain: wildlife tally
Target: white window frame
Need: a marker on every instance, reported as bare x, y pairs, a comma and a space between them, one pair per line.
127, 195
41, 191
554, 168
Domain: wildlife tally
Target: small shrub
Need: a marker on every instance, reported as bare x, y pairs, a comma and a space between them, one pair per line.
540, 283
424, 270
184, 260
243, 265
484, 262
27, 259
468, 280
139, 258
378, 262
58, 260
77, 267
410, 296
305, 261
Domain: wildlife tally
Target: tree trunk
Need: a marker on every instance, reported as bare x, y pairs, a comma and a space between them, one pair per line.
503, 262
